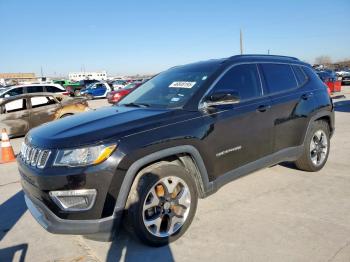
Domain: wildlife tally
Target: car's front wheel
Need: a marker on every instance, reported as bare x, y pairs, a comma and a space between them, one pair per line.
316, 147
162, 205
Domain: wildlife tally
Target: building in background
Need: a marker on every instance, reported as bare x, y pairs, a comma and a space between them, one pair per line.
15, 78
77, 76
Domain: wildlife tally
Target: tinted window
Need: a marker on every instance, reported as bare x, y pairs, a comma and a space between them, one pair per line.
14, 92
243, 79
53, 89
300, 74
172, 88
279, 77
35, 89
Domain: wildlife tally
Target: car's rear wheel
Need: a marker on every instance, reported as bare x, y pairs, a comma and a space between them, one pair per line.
316, 147
162, 205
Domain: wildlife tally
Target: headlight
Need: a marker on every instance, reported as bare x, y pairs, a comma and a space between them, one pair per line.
84, 156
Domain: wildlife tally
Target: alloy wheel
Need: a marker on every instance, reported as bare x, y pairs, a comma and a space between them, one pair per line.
166, 206
318, 147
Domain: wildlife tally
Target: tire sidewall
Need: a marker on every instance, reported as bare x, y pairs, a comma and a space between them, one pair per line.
145, 184
318, 125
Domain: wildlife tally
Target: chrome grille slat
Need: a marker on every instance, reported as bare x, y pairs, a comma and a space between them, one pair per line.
34, 156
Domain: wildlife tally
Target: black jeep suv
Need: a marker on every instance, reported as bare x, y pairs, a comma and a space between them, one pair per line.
178, 137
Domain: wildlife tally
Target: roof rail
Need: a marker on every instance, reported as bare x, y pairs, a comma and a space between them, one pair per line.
263, 55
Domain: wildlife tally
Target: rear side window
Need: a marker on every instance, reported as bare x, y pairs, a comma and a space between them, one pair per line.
300, 74
279, 77
243, 79
53, 89
35, 89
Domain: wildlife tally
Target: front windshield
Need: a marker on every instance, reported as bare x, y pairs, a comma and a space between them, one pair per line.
3, 90
170, 89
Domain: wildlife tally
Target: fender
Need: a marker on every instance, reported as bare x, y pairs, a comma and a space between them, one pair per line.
318, 115
136, 166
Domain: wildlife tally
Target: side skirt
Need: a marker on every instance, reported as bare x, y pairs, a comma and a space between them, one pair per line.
287, 154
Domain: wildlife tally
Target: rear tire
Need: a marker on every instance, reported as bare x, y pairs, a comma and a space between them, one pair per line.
316, 147
162, 205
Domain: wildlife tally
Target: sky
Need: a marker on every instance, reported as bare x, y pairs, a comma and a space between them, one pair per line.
146, 37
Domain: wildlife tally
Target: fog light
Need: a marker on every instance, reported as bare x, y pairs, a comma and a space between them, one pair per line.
74, 200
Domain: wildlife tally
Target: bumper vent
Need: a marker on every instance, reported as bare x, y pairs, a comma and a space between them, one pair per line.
34, 156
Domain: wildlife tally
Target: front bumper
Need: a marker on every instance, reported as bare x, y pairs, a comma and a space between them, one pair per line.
99, 229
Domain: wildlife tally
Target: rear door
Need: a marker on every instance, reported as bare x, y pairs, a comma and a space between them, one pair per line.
43, 109
290, 101
15, 117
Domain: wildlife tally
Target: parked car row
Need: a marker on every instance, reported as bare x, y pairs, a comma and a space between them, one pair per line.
331, 80
22, 112
33, 88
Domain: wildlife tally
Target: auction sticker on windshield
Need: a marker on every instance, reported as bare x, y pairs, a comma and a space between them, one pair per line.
182, 84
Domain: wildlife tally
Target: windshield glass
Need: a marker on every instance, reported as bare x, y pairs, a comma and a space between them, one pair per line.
170, 89
3, 90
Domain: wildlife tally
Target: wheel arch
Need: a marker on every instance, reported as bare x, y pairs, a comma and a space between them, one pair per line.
327, 116
186, 155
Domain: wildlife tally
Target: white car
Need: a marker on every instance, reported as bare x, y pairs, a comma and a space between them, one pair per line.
119, 84
32, 88
342, 73
96, 90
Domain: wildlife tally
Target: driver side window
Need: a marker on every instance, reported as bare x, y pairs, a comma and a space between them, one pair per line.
243, 79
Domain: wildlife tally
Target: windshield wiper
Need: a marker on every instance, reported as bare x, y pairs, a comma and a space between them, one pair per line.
136, 104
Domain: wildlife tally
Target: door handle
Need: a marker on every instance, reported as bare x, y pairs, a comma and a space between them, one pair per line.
307, 96
263, 108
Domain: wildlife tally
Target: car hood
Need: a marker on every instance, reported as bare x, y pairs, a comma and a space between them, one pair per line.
108, 123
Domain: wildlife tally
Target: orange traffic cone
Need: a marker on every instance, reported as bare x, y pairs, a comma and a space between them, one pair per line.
7, 154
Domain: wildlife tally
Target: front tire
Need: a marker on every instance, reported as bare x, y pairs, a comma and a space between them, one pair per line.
162, 205
316, 147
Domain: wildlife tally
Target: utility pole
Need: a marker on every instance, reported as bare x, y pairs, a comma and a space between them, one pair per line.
268, 51
41, 70
241, 40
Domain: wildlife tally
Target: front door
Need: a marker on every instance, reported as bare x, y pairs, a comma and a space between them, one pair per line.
15, 117
241, 133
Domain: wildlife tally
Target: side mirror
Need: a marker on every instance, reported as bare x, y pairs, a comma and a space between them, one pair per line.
225, 97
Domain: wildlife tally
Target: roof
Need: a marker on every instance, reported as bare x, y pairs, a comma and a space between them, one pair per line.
240, 58
6, 99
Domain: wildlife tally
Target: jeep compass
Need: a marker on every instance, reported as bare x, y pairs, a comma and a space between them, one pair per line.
180, 136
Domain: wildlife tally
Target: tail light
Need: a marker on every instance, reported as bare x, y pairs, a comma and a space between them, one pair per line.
65, 93
117, 97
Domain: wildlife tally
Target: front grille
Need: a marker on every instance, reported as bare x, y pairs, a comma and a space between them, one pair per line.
34, 156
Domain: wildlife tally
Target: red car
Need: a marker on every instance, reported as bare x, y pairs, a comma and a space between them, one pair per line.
114, 97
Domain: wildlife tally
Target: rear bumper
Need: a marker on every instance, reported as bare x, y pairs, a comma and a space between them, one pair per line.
99, 229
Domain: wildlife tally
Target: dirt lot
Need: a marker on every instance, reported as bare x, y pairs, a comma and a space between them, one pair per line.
276, 214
